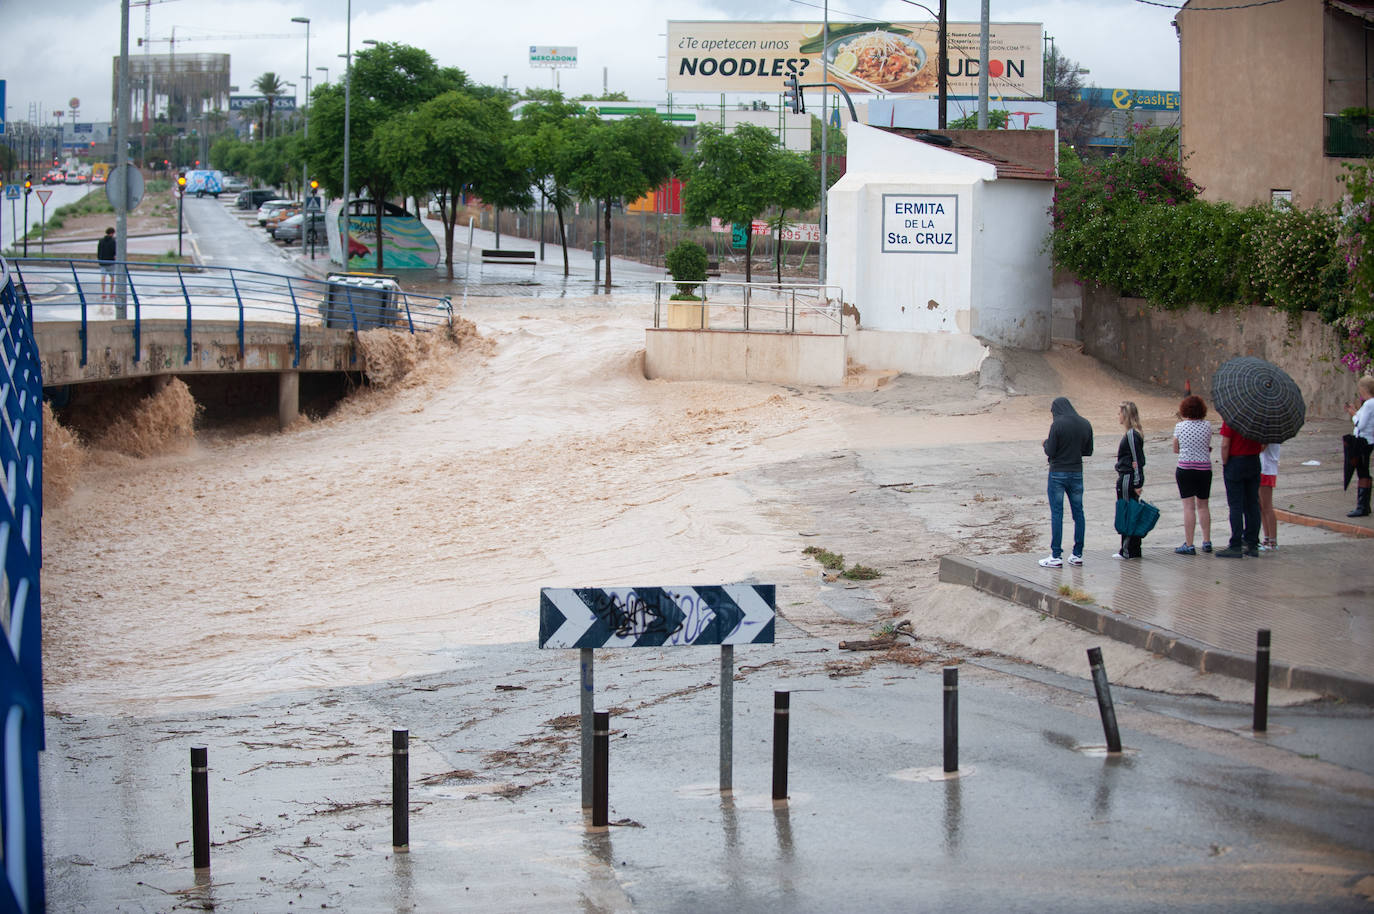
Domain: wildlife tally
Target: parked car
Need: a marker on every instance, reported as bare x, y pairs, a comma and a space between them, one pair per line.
252, 199
309, 225
233, 185
275, 220
271, 208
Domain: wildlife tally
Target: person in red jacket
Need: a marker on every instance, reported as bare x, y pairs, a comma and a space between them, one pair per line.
1240, 470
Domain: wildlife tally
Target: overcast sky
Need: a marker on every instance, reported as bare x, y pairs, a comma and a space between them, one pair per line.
54, 50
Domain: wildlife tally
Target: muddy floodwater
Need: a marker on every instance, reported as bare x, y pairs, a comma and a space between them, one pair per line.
426, 515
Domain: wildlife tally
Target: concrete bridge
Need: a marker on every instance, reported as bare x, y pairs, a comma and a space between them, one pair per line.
163, 322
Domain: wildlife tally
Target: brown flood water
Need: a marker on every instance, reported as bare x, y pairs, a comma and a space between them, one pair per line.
423, 517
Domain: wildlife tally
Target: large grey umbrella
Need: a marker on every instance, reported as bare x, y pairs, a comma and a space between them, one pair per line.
1258, 399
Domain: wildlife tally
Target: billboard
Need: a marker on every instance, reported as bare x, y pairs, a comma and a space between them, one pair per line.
878, 58
280, 103
1131, 99
548, 56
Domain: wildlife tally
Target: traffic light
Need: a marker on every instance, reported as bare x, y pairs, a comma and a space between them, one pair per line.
28, 185
792, 95
181, 179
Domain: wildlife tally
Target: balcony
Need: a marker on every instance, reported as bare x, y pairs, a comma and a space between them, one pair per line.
1349, 136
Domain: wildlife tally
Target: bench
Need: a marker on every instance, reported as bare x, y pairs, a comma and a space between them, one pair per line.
499, 255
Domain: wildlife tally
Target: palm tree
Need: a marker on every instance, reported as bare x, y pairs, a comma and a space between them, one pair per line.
271, 86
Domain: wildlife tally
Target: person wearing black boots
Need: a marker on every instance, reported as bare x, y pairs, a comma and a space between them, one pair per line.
1130, 471
1357, 446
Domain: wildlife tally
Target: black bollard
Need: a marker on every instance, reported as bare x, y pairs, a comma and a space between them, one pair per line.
1104, 699
781, 710
951, 718
400, 791
601, 754
1262, 682
200, 807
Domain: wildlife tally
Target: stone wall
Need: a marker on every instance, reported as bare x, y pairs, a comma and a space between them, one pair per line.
1173, 348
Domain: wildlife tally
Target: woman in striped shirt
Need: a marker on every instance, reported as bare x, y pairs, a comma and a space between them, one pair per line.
1193, 445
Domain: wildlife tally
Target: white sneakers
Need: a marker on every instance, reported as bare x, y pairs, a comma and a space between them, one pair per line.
1075, 560
1052, 562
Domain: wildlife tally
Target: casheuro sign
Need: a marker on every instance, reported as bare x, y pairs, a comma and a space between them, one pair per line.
866, 57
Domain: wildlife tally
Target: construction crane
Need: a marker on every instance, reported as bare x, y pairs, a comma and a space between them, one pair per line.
173, 39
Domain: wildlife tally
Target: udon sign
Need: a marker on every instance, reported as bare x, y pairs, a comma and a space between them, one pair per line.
866, 57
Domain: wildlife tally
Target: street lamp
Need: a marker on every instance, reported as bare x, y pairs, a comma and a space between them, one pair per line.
305, 171
181, 198
326, 74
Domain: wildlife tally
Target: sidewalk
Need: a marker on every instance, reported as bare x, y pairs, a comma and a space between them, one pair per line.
1204, 612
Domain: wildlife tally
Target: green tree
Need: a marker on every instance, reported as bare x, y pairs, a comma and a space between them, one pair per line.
997, 120
734, 176
796, 186
615, 160
447, 145
389, 80
545, 134
270, 85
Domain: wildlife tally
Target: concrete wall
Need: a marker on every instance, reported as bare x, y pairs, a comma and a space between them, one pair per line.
162, 349
928, 354
1253, 84
1174, 347
1012, 275
731, 355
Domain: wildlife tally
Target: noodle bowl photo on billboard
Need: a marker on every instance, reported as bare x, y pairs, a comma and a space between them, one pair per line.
874, 58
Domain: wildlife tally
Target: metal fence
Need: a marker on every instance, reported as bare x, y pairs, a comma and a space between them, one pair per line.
647, 237
757, 307
76, 290
21, 671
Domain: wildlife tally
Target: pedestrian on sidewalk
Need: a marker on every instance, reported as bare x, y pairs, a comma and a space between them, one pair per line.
1130, 471
1069, 441
105, 252
1193, 445
1240, 470
1358, 445
1269, 478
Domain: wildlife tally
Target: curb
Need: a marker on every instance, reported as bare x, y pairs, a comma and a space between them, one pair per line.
1202, 657
1337, 526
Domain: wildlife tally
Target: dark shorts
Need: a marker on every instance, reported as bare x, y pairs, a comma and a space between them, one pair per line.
1194, 483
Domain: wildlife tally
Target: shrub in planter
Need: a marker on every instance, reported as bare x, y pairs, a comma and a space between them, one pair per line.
687, 264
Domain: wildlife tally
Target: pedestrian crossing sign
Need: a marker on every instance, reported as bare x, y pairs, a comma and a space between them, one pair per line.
12, 192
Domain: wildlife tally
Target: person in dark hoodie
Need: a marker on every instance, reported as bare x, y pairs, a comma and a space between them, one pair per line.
1070, 440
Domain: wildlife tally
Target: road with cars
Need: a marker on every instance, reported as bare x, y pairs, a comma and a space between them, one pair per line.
226, 236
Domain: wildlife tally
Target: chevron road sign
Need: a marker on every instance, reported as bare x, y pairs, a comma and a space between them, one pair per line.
592, 617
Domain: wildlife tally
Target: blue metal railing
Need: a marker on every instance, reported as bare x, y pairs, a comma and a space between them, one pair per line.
75, 290
21, 670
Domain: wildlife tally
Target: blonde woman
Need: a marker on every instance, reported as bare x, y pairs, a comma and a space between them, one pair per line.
1130, 470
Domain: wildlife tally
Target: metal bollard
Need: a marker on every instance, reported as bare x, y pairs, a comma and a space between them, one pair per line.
1261, 722
400, 791
1104, 699
601, 753
200, 807
781, 712
951, 718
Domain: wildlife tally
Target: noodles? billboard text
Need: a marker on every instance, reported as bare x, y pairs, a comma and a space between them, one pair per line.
866, 57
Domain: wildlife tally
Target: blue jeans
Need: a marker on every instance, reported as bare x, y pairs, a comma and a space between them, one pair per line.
1242, 478
1070, 484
